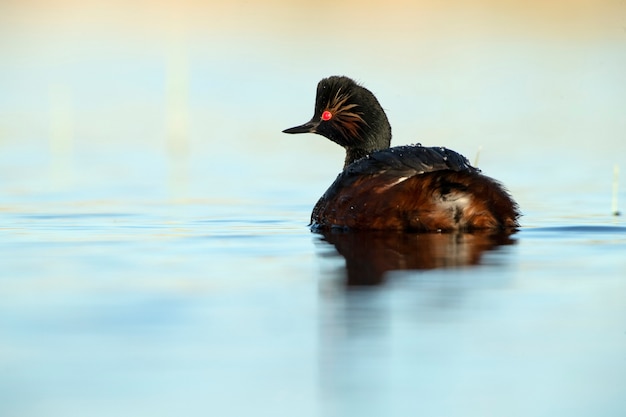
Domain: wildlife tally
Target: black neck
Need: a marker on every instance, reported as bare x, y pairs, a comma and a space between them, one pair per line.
378, 139
354, 154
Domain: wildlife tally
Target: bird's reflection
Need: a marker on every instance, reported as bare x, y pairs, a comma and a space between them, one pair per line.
369, 255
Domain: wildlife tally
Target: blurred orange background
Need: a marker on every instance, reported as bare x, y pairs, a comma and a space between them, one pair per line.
512, 76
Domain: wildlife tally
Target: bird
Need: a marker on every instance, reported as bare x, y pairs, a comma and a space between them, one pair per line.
410, 188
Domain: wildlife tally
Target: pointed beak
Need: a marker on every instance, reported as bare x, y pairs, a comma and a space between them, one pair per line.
308, 127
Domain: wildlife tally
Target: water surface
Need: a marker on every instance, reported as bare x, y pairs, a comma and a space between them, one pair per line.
155, 257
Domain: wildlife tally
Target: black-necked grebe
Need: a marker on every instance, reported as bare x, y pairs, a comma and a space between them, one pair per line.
413, 188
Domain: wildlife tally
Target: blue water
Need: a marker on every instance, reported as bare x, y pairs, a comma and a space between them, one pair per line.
149, 304
155, 257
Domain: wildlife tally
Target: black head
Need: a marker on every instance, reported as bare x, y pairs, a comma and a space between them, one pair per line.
350, 116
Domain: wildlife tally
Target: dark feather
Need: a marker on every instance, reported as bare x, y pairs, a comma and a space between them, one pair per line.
402, 188
408, 161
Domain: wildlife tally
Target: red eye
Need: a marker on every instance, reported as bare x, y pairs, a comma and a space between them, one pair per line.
327, 115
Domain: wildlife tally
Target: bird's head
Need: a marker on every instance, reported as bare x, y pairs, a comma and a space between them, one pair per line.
350, 116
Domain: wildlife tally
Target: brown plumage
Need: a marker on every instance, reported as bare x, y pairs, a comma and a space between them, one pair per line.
402, 188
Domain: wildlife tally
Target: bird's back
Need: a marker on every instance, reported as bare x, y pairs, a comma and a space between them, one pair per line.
414, 188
